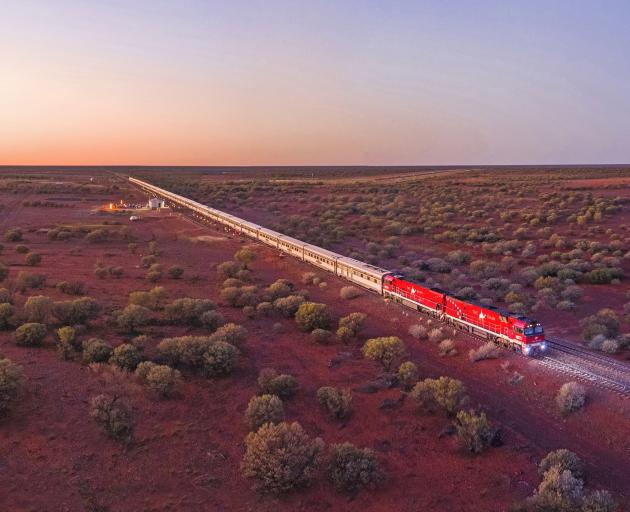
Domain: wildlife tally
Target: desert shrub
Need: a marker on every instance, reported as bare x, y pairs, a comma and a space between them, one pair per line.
245, 256
7, 312
113, 415
219, 359
280, 288
100, 271
385, 350
350, 326
599, 501
445, 392
229, 268
175, 272
11, 384
4, 272
559, 491
349, 292
271, 382
97, 236
37, 308
351, 468
22, 249
154, 274
407, 375
147, 261
78, 311
116, 271
281, 457
133, 317
312, 315
458, 257
482, 269
211, 320
66, 342
151, 299
321, 336
447, 347
610, 346
184, 350
571, 397
71, 287
418, 331
288, 306
96, 351
485, 351
264, 409
337, 402
30, 334
13, 235
563, 459
27, 280
565, 305
264, 308
604, 322
33, 259
435, 335
603, 275
474, 431
187, 311
126, 356
241, 296
230, 333
159, 378
309, 277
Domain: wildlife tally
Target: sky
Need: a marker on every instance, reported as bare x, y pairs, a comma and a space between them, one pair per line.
343, 82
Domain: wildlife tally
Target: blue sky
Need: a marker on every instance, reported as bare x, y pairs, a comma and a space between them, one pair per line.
275, 82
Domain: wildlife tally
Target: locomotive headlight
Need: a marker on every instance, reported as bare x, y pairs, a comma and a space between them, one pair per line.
527, 350
543, 346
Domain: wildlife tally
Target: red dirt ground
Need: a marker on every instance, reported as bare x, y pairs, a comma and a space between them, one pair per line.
187, 450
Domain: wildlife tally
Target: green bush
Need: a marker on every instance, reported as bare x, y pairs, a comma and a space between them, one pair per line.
445, 392
563, 459
407, 375
385, 350
321, 336
71, 287
126, 356
264, 409
26, 280
272, 383
278, 289
350, 326
599, 501
78, 311
96, 351
159, 378
311, 315
184, 350
351, 468
474, 431
13, 235
113, 415
211, 320
559, 491
230, 333
288, 306
187, 311
281, 457
151, 299
30, 334
219, 359
66, 342
133, 317
337, 403
11, 384
33, 259
7, 312
37, 308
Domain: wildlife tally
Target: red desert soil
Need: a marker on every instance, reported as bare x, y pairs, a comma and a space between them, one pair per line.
187, 450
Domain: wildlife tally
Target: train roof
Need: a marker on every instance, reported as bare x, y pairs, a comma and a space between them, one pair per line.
324, 252
365, 267
292, 240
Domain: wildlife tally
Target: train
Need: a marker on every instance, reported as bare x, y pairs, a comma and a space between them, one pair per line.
512, 331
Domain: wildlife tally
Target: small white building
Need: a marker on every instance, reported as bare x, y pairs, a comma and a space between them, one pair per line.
155, 203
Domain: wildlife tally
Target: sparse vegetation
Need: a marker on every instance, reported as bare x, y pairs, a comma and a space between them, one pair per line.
337, 402
113, 415
385, 350
30, 334
445, 392
474, 431
11, 384
571, 397
273, 383
351, 468
264, 409
159, 378
281, 457
311, 315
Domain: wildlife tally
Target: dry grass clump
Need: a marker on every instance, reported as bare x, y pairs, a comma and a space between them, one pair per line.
264, 409
486, 351
351, 468
11, 384
337, 402
349, 292
571, 397
418, 331
447, 347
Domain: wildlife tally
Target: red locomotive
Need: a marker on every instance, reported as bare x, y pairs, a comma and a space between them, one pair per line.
513, 331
